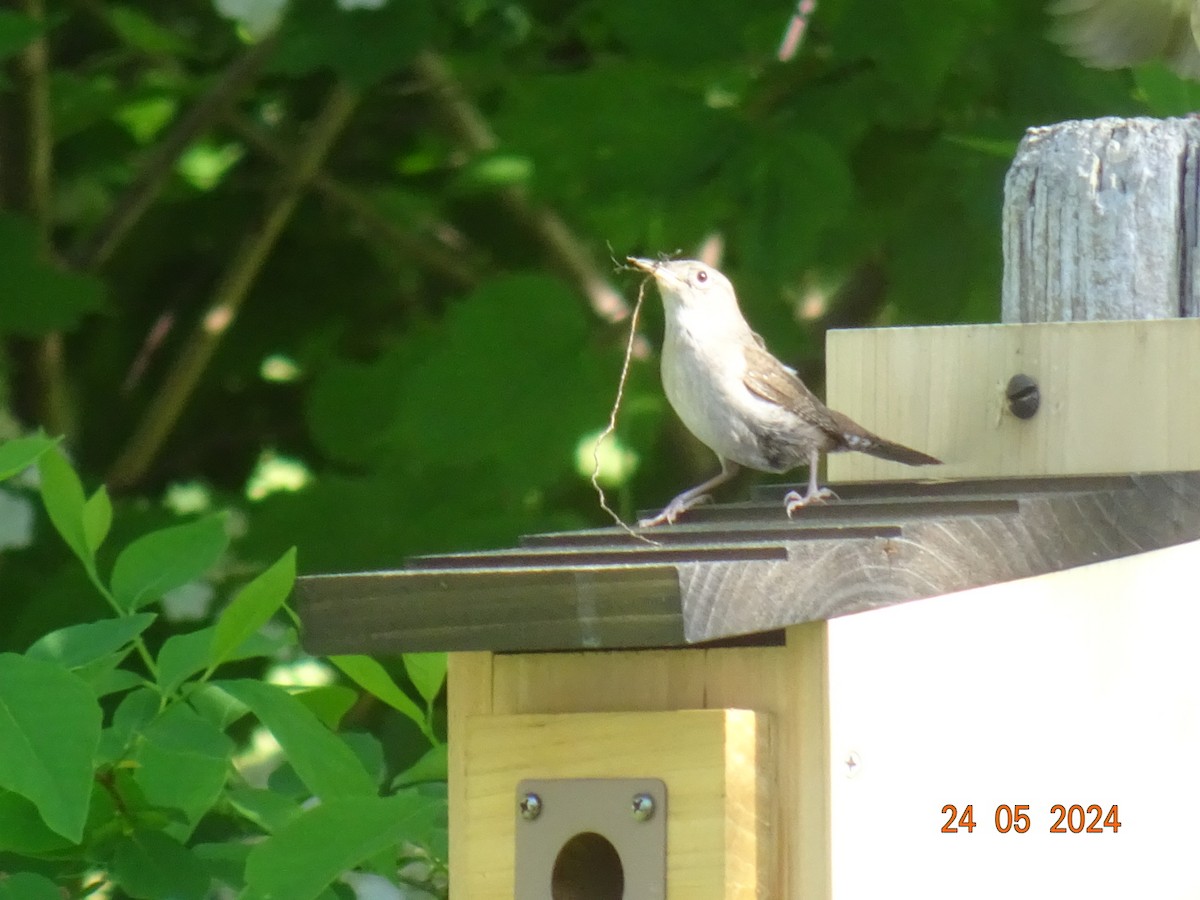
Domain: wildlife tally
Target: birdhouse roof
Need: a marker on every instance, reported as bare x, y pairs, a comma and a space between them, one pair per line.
739, 570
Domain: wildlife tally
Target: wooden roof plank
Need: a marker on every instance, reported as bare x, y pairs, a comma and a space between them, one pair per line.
602, 589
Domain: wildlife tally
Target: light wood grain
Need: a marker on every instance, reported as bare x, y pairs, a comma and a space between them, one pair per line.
1100, 221
1078, 687
574, 682
469, 693
709, 760
809, 808
1115, 397
786, 682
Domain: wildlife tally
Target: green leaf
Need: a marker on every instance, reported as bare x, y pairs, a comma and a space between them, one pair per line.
690, 32
269, 810
183, 762
62, 494
22, 830
361, 45
432, 766
226, 860
526, 410
49, 732
133, 713
78, 645
216, 705
374, 679
97, 519
107, 679
323, 762
151, 865
188, 654
252, 608
304, 858
330, 702
489, 172
914, 45
369, 750
39, 297
82, 101
16, 32
182, 656
142, 33
427, 672
28, 886
790, 174
582, 133
20, 453
166, 559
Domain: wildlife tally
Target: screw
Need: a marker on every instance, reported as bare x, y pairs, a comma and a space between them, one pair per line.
642, 806
853, 763
1023, 395
530, 807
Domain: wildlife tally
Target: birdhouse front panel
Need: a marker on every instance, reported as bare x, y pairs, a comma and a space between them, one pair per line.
1031, 739
1096, 397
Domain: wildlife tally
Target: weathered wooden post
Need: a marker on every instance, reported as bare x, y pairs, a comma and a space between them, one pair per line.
1102, 221
702, 719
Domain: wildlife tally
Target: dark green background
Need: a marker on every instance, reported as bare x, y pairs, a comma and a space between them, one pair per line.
438, 405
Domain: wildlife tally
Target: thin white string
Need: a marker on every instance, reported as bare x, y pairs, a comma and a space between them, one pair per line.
612, 420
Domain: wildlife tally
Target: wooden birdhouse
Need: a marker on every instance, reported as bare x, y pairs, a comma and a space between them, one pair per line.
984, 685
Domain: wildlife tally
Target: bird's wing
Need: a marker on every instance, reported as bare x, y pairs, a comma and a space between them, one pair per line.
767, 377
1112, 34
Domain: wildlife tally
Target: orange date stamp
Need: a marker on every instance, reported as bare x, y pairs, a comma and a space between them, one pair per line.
1073, 819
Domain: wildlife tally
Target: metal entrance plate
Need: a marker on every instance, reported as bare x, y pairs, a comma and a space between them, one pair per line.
594, 838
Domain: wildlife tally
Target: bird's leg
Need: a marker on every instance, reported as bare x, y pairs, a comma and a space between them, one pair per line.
692, 496
792, 501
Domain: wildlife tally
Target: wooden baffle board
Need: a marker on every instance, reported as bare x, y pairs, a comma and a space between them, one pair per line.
1047, 677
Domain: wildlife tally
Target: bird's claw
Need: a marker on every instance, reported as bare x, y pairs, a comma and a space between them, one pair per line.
794, 500
674, 510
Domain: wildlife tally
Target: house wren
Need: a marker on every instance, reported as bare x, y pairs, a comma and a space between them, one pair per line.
1112, 34
740, 401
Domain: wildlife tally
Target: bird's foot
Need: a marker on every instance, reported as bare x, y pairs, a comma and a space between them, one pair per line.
674, 510
794, 500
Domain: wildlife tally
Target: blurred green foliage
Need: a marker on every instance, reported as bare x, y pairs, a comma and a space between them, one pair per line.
130, 770
408, 358
447, 357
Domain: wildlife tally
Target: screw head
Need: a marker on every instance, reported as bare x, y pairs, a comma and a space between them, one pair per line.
852, 763
642, 807
1023, 396
530, 807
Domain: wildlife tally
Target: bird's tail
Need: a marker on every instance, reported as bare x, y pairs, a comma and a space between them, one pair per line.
898, 453
852, 436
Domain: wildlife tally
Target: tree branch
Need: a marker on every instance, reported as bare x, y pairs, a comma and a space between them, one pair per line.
55, 410
229, 295
450, 263
157, 165
566, 251
40, 159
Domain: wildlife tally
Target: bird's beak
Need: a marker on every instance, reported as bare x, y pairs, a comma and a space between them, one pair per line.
646, 265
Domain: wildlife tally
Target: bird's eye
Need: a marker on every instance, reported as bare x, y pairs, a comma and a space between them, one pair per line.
702, 276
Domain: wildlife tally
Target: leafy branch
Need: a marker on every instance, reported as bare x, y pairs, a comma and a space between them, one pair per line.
231, 292
113, 767
565, 250
56, 409
158, 164
448, 261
